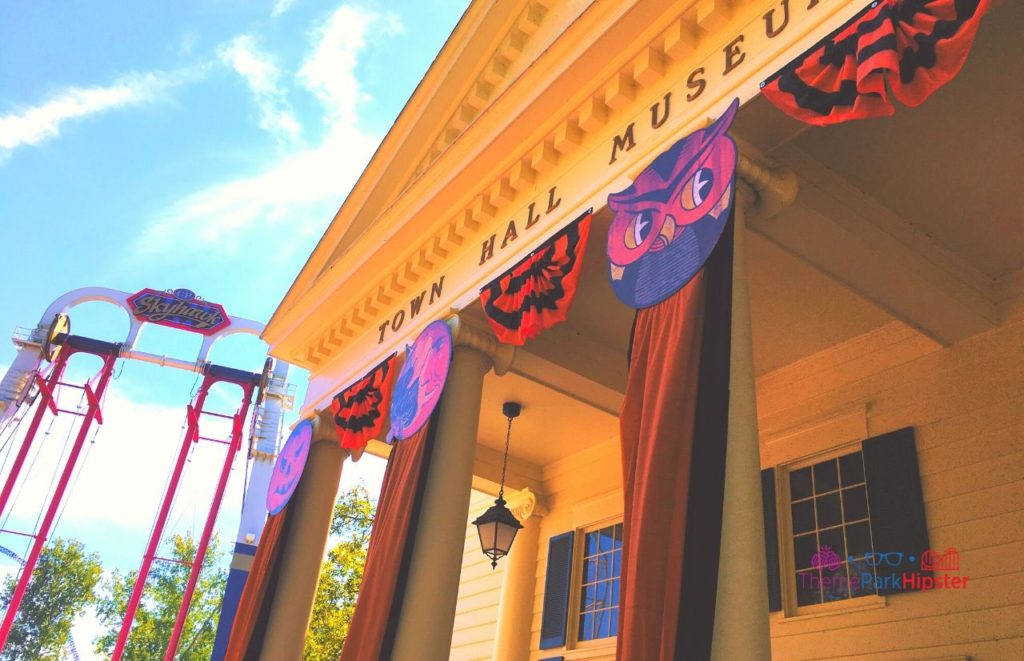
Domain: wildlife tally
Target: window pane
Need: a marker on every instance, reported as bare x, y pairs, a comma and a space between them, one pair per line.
617, 564
826, 477
587, 626
618, 536
590, 570
613, 626
601, 624
862, 578
851, 467
855, 504
587, 598
615, 593
833, 539
828, 510
803, 517
604, 566
606, 539
808, 587
602, 594
835, 584
592, 541
858, 539
800, 483
804, 548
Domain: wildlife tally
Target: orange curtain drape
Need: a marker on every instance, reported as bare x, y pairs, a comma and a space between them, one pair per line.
372, 630
673, 427
258, 595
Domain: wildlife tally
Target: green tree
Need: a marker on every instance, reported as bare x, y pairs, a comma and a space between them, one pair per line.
154, 619
62, 587
340, 576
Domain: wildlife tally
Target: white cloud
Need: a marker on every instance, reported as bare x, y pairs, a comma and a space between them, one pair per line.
262, 76
38, 123
330, 70
281, 6
293, 191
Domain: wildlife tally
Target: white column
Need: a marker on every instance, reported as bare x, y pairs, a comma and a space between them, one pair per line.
515, 610
741, 609
309, 510
428, 608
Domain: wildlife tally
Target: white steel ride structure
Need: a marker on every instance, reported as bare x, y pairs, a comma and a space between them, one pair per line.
29, 392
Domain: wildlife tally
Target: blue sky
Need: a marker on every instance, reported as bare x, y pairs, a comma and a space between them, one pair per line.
203, 145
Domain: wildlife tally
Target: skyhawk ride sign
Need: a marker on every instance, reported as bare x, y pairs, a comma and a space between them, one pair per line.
179, 309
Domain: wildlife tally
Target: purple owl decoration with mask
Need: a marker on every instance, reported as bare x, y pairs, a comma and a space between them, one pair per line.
667, 223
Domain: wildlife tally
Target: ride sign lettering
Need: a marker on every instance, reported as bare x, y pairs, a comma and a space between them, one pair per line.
179, 309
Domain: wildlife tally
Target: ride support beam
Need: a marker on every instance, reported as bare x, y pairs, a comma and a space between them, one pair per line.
92, 413
47, 394
211, 519
191, 436
214, 374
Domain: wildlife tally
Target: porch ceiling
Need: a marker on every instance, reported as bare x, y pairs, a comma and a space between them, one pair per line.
951, 166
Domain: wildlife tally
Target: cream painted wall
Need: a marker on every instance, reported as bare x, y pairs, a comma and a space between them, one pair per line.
966, 404
583, 489
479, 592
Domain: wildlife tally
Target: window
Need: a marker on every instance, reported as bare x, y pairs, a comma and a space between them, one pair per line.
831, 531
599, 585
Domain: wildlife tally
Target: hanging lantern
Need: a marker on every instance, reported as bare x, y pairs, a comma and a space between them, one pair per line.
497, 526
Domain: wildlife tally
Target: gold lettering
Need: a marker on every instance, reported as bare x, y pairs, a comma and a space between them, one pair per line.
696, 82
435, 289
552, 202
655, 122
769, 21
397, 320
731, 50
487, 251
625, 142
416, 303
531, 217
510, 234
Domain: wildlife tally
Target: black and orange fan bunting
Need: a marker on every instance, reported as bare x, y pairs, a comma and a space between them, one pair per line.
906, 48
361, 409
536, 293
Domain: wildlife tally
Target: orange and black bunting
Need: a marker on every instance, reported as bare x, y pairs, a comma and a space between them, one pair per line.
536, 293
361, 409
906, 48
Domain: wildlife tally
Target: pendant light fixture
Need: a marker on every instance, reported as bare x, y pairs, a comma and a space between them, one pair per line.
497, 526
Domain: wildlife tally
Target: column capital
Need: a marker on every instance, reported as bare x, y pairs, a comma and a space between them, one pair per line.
525, 504
770, 188
324, 432
465, 333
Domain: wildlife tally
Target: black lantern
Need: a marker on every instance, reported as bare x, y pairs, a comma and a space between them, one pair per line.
498, 526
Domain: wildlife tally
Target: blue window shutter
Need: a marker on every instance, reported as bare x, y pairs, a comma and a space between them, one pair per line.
557, 587
771, 539
895, 502
554, 658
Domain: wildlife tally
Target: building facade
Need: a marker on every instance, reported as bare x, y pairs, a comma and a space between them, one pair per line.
883, 269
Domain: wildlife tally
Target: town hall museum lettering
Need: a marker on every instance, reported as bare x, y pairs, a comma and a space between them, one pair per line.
774, 21
416, 305
733, 54
511, 230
